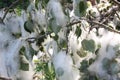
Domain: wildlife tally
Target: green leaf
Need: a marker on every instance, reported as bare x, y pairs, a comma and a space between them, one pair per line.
24, 65
114, 67
78, 31
39, 67
18, 11
82, 53
82, 7
105, 63
84, 66
88, 45
62, 43
53, 26
91, 61
48, 70
97, 1
29, 26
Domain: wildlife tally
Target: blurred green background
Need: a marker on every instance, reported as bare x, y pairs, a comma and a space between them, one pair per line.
21, 4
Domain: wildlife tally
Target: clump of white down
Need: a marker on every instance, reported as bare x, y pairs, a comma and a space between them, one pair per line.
73, 42
54, 9
107, 40
38, 15
10, 45
108, 43
63, 64
76, 7
9, 50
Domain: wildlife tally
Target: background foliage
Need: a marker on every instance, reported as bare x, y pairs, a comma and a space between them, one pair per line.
74, 38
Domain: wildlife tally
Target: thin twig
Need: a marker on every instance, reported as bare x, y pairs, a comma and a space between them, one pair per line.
70, 24
33, 39
67, 34
9, 9
109, 13
116, 2
117, 15
101, 25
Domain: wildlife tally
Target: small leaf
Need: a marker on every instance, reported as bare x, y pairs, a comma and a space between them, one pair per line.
106, 63
88, 45
114, 67
54, 26
97, 1
18, 11
84, 66
82, 53
82, 7
62, 43
29, 26
91, 61
78, 31
24, 65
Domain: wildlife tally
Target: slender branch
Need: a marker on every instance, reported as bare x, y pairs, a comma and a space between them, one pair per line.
101, 25
70, 24
33, 39
67, 40
109, 13
9, 9
117, 15
116, 2
112, 10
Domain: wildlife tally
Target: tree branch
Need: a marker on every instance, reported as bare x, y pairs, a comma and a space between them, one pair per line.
101, 25
109, 13
33, 39
116, 2
70, 24
9, 9
104, 26
117, 15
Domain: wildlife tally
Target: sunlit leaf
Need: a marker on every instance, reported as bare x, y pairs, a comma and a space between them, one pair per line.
82, 53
